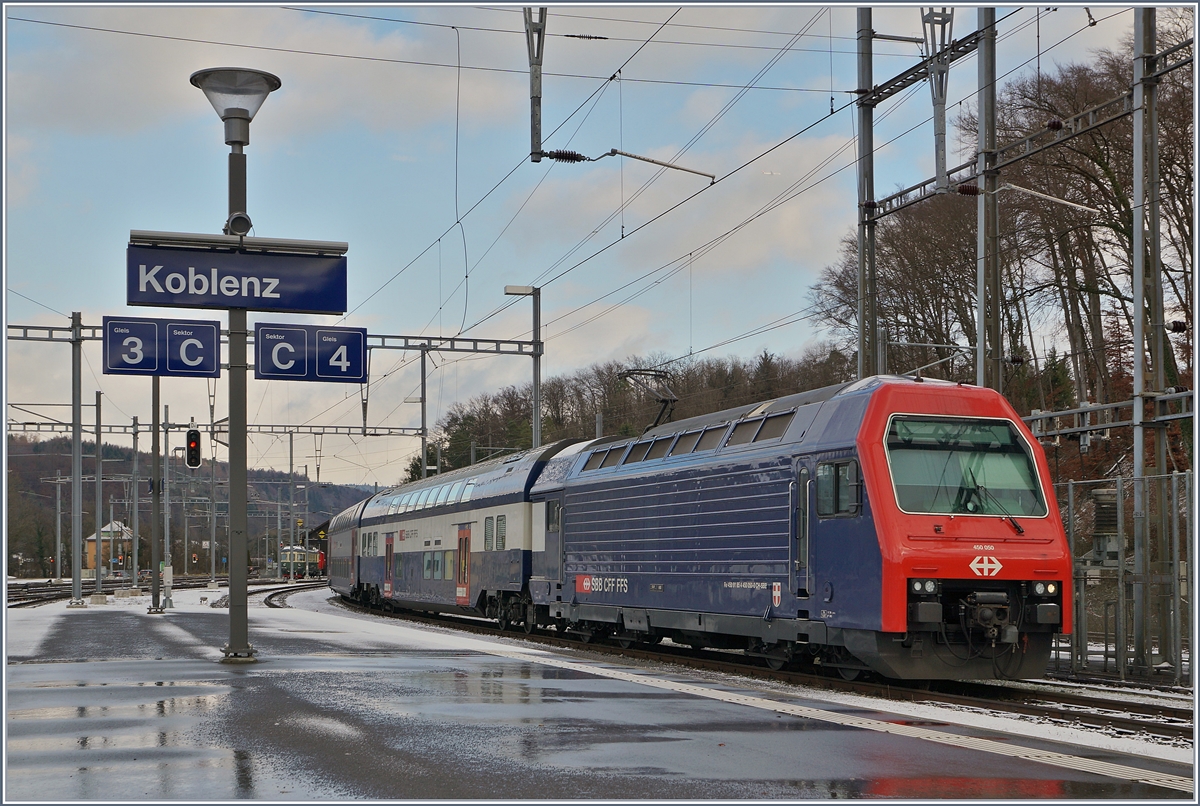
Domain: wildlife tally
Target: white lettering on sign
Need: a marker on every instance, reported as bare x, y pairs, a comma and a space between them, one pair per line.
120, 330
340, 359
196, 284
985, 566
277, 361
135, 354
183, 351
145, 277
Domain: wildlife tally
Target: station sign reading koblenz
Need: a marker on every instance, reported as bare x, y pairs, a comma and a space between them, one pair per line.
182, 270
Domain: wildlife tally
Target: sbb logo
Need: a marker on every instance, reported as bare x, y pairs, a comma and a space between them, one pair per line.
583, 584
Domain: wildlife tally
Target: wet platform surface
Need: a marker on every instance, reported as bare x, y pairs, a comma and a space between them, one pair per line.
110, 703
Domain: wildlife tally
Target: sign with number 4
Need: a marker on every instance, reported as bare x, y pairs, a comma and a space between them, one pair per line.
310, 353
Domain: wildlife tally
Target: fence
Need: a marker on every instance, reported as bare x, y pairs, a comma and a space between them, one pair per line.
1132, 542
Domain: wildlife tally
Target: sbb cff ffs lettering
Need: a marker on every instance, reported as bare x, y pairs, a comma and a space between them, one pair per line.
193, 448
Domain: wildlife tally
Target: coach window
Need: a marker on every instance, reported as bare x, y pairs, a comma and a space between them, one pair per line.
614, 456
428, 564
553, 515
637, 453
443, 493
437, 565
711, 438
448, 566
594, 460
659, 449
419, 502
455, 492
685, 444
501, 522
774, 426
489, 531
467, 490
743, 432
837, 489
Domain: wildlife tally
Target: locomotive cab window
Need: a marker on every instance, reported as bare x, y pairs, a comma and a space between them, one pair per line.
837, 489
594, 460
553, 515
962, 466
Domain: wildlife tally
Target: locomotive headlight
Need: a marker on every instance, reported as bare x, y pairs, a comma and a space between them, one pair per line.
924, 587
1039, 588
930, 586
1051, 588
917, 586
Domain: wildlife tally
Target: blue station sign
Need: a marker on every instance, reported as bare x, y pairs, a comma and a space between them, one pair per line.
310, 353
178, 277
170, 347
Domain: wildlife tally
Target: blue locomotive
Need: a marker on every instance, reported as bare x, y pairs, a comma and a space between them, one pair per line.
891, 525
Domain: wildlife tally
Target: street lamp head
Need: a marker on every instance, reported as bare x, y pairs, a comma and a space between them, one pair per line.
236, 93
519, 290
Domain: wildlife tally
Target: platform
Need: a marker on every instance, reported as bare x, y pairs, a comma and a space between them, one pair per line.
110, 703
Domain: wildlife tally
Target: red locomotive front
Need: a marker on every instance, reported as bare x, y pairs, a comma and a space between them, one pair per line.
976, 566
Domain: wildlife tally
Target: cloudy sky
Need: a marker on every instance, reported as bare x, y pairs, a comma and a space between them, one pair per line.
404, 131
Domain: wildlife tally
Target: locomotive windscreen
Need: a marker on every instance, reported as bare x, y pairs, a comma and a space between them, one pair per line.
962, 466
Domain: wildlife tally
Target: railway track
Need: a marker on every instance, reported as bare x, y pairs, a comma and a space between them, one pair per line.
32, 595
1044, 701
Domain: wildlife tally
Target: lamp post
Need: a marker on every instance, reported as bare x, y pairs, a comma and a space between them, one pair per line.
536, 293
237, 94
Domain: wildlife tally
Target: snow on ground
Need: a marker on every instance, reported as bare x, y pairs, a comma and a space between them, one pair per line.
312, 612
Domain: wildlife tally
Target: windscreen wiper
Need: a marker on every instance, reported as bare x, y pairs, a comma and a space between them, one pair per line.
986, 493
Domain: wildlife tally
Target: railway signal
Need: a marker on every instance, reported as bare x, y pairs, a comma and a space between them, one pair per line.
193, 448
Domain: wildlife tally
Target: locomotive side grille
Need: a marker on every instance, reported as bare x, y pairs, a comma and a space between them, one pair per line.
735, 522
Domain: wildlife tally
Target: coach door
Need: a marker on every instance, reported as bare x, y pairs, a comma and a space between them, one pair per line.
354, 552
801, 505
462, 577
553, 553
388, 554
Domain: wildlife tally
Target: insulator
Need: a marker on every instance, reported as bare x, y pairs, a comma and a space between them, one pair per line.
1178, 327
565, 156
1054, 125
968, 190
870, 204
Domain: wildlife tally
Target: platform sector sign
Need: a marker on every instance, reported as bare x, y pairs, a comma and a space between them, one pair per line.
172, 347
284, 352
178, 277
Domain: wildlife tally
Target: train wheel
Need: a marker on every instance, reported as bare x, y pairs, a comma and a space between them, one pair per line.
775, 663
625, 643
502, 620
848, 674
530, 618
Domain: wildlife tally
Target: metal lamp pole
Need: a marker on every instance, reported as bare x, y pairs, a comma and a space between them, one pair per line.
237, 94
